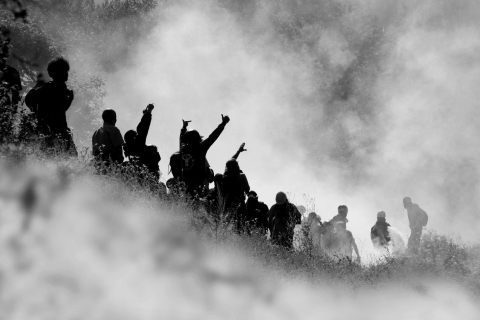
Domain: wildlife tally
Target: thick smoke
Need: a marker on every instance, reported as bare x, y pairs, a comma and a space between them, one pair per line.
351, 102
95, 250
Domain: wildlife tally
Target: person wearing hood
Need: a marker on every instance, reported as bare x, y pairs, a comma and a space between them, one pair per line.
418, 219
136, 149
282, 218
379, 233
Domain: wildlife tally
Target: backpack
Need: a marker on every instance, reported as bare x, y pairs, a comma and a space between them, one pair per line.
423, 217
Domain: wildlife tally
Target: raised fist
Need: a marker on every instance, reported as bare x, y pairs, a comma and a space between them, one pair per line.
185, 123
225, 119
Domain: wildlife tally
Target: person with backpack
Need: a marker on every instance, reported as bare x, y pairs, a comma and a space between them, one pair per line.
418, 219
50, 101
189, 164
107, 141
379, 233
282, 218
234, 187
136, 149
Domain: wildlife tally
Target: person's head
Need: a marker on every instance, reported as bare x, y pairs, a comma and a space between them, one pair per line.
407, 202
192, 137
58, 69
301, 209
343, 210
232, 166
130, 136
252, 196
340, 226
109, 116
281, 198
381, 214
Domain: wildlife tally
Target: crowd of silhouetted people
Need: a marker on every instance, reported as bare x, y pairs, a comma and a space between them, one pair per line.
229, 201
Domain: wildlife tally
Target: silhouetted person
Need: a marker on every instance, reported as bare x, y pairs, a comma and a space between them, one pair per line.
418, 219
50, 101
341, 216
190, 164
316, 230
107, 141
379, 233
256, 212
234, 187
346, 242
329, 240
136, 149
282, 218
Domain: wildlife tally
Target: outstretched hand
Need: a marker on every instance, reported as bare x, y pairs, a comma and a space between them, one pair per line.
225, 119
242, 148
185, 123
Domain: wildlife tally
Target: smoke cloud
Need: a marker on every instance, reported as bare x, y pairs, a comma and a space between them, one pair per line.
351, 102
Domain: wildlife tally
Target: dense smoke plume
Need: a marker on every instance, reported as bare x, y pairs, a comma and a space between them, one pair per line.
351, 102
96, 250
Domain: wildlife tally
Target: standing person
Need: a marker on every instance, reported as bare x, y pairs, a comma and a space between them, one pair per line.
379, 233
316, 230
191, 168
282, 218
329, 240
107, 141
50, 101
346, 242
136, 148
234, 187
257, 212
418, 219
341, 216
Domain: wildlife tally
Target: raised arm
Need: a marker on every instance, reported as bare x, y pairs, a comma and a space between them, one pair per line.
144, 125
240, 150
183, 130
207, 143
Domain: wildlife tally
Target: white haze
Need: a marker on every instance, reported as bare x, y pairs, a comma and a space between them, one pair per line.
361, 107
97, 251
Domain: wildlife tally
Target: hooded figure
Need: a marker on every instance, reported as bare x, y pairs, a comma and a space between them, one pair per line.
379, 233
282, 218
